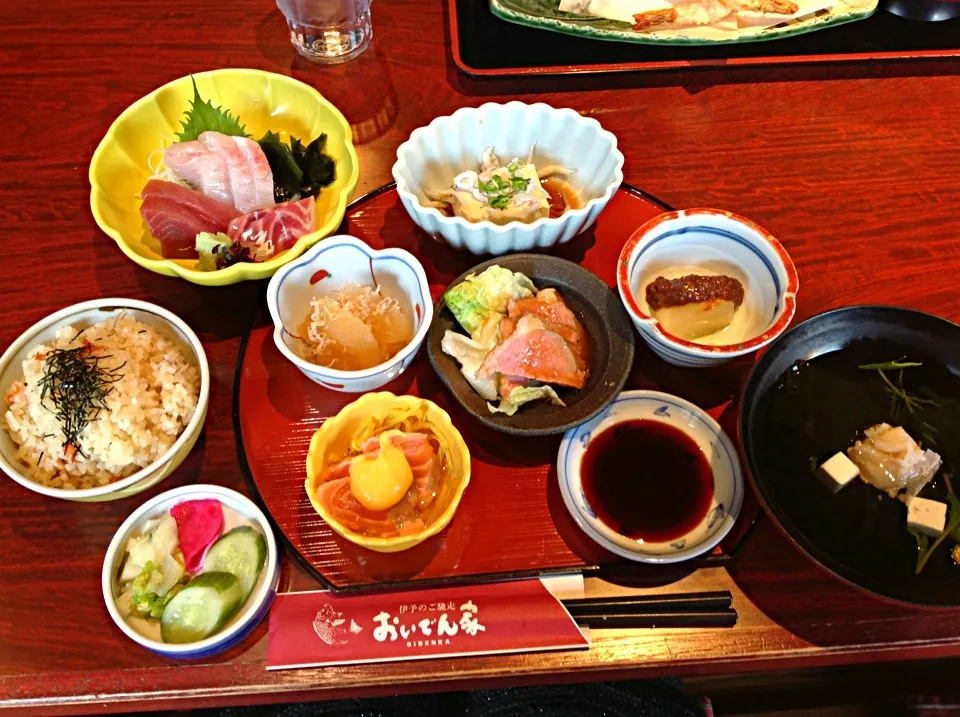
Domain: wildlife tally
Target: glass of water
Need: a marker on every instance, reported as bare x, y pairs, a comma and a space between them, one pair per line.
328, 31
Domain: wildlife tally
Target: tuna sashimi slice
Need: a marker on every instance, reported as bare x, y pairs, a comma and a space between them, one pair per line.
535, 353
176, 214
232, 169
269, 231
199, 524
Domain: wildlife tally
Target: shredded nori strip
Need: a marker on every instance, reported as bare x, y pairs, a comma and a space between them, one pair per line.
77, 384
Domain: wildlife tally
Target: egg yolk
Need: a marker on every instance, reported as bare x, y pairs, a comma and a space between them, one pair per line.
379, 483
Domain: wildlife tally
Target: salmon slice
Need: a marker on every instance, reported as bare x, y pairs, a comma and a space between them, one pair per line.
556, 315
421, 456
507, 326
535, 353
508, 383
336, 497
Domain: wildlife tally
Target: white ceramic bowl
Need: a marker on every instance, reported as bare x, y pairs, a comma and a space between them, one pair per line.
435, 154
324, 269
714, 242
252, 612
728, 482
87, 314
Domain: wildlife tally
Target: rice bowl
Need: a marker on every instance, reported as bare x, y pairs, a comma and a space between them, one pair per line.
144, 385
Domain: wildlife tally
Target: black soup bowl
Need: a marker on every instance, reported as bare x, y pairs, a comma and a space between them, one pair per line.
807, 399
611, 346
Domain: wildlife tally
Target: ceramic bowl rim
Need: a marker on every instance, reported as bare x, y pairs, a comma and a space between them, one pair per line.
401, 542
240, 271
567, 424
273, 297
486, 225
254, 601
780, 322
621, 545
193, 426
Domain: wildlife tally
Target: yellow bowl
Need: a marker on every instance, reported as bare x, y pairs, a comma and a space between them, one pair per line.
331, 441
263, 101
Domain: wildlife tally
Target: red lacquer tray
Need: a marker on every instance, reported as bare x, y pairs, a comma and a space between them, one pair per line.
511, 520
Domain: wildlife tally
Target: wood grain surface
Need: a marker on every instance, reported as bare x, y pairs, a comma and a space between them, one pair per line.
853, 168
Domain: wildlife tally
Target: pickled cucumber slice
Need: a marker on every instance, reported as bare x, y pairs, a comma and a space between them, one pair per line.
202, 607
242, 552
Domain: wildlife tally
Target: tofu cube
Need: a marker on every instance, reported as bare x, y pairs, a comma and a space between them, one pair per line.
927, 516
838, 471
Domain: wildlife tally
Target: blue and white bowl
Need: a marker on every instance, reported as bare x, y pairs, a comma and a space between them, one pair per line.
257, 604
728, 485
709, 241
323, 270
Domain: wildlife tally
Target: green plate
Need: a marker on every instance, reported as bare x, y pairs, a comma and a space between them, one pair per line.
544, 14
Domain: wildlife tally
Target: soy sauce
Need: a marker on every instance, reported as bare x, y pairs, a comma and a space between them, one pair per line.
560, 196
647, 480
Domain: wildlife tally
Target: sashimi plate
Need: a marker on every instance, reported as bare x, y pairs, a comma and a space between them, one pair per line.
813, 15
263, 101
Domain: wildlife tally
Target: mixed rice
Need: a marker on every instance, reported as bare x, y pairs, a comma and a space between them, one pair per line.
149, 397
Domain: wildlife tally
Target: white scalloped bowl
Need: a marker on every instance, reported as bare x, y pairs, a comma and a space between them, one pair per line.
435, 154
322, 271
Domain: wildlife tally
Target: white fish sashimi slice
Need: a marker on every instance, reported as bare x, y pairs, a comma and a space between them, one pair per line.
894, 441
879, 469
926, 469
249, 174
195, 164
890, 460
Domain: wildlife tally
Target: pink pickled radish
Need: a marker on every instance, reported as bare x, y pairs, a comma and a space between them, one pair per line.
199, 523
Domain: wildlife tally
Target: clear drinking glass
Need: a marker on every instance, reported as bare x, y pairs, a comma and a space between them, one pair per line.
328, 31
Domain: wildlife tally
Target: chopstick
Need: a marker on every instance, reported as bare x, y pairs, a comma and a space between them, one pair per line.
709, 609
720, 600
720, 618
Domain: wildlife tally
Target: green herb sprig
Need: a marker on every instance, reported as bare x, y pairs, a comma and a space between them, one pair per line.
499, 190
895, 389
203, 116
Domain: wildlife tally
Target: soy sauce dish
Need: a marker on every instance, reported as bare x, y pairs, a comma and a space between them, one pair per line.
653, 478
191, 572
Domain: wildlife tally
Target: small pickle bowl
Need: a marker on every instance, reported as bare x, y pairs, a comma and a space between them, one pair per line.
709, 241
257, 603
435, 154
331, 442
728, 484
82, 316
324, 270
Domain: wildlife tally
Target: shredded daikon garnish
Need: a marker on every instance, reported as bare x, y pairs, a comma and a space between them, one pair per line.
356, 327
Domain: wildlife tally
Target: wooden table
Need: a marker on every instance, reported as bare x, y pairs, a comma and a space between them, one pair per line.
854, 168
